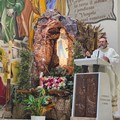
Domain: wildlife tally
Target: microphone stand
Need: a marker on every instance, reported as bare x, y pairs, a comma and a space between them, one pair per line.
96, 66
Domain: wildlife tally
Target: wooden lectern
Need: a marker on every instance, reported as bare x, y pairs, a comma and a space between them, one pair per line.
92, 97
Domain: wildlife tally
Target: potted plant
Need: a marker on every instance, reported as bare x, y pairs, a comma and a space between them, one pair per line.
38, 104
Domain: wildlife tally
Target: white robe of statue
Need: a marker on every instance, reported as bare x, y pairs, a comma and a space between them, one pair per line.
62, 48
114, 75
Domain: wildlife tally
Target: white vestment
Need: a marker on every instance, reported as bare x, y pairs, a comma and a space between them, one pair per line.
113, 72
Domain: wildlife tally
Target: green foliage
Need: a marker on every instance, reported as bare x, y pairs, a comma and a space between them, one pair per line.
78, 53
69, 82
38, 105
77, 69
17, 97
78, 50
25, 69
58, 72
24, 77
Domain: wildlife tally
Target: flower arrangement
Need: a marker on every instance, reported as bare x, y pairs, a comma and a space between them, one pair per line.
54, 83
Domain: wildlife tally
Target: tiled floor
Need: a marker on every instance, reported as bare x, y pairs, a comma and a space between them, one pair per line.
1, 112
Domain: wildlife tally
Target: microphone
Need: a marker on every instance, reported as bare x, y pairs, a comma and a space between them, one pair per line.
96, 66
98, 54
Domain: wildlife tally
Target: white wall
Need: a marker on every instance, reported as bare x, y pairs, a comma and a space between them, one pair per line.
112, 28
118, 6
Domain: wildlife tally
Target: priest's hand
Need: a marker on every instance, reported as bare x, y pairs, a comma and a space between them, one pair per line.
106, 58
87, 54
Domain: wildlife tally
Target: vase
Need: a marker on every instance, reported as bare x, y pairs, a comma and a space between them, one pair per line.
37, 117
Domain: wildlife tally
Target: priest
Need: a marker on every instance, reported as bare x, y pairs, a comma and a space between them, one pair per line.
110, 55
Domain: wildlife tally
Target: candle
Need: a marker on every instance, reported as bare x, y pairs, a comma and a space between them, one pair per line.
9, 59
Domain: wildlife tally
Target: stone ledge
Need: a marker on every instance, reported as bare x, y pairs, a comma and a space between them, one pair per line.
82, 118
